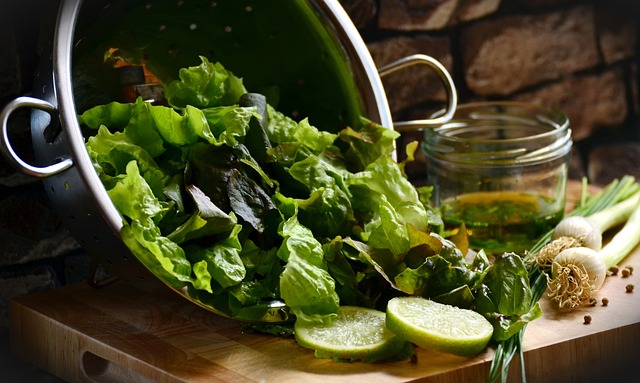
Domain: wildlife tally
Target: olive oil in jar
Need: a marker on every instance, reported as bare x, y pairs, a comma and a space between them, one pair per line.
502, 221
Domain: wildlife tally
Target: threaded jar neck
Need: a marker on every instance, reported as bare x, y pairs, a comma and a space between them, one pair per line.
500, 134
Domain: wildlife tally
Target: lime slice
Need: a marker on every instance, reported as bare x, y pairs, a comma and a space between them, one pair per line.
437, 326
355, 334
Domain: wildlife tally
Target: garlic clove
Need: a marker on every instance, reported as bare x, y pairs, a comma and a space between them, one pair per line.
582, 229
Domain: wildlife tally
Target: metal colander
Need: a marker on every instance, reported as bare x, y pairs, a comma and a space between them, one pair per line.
306, 56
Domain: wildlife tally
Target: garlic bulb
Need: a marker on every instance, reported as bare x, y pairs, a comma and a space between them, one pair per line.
576, 274
582, 229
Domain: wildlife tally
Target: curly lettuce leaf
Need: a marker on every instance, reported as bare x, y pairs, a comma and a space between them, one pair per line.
135, 200
207, 219
134, 119
384, 177
305, 283
203, 86
368, 143
282, 129
223, 260
133, 197
228, 123
328, 210
112, 152
115, 115
386, 230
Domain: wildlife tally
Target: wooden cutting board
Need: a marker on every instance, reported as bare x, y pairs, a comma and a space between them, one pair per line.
120, 333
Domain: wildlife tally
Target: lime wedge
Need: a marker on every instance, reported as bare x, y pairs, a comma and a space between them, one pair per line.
437, 326
355, 334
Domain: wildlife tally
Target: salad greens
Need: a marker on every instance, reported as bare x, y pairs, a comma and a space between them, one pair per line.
236, 204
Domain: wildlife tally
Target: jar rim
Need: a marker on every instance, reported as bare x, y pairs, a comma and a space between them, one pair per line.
500, 133
546, 117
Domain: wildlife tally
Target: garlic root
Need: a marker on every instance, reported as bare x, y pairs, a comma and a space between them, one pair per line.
576, 273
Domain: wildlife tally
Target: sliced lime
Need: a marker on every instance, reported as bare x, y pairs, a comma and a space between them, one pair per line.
437, 326
355, 334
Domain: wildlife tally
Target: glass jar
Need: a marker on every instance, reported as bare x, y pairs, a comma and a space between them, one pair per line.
501, 169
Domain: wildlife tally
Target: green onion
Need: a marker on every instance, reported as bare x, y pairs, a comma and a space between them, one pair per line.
616, 214
625, 240
617, 191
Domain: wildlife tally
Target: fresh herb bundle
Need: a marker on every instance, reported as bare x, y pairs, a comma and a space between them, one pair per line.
614, 193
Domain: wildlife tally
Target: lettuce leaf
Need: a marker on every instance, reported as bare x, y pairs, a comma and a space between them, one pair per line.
206, 85
207, 219
223, 260
383, 177
327, 210
313, 219
282, 129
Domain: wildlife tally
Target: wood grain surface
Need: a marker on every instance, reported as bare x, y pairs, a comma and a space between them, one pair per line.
120, 333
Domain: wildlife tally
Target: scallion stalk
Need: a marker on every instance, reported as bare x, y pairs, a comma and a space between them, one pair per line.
616, 214
624, 241
615, 192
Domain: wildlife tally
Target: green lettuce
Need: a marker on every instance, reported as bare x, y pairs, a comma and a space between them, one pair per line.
237, 205
206, 85
305, 284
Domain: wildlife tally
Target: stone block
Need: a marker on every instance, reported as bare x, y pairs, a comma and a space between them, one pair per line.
632, 82
430, 15
417, 84
31, 230
592, 102
421, 15
543, 3
361, 12
511, 53
609, 162
617, 34
576, 167
469, 10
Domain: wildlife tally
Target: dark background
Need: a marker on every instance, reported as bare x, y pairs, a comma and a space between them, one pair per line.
601, 98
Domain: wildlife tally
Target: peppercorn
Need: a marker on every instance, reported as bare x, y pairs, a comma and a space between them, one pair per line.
629, 288
625, 273
587, 319
613, 270
593, 301
605, 301
630, 268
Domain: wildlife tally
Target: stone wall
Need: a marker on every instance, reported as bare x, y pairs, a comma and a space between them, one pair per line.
577, 56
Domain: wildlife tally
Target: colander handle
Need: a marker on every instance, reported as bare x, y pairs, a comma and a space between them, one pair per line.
11, 155
447, 81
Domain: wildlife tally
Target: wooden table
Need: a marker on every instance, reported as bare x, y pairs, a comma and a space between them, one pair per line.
122, 334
